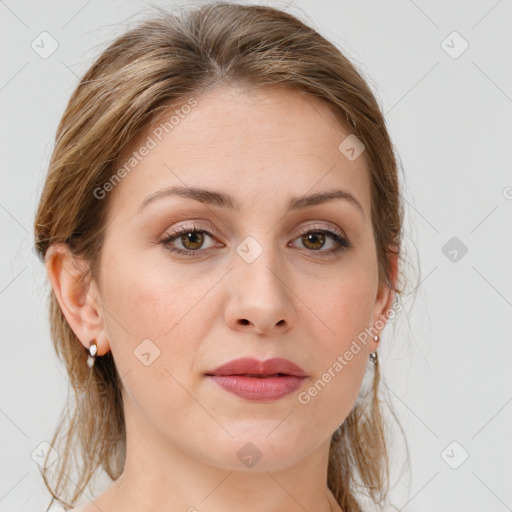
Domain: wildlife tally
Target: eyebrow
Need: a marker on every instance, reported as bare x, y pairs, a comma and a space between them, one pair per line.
226, 201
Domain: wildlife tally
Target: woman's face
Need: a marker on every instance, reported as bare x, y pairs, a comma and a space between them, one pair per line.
254, 278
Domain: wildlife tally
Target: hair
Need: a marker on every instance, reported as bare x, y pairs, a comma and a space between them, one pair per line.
158, 65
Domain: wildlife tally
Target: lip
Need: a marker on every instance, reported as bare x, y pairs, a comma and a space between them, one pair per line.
257, 380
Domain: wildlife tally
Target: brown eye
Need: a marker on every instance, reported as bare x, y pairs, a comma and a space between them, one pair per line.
313, 240
324, 242
192, 240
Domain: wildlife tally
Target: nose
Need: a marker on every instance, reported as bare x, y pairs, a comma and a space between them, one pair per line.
261, 298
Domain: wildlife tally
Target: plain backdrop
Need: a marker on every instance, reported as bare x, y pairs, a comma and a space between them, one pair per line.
441, 71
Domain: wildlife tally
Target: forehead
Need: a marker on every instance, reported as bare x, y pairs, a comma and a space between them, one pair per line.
255, 145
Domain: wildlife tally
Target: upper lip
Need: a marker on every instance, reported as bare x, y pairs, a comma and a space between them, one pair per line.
251, 366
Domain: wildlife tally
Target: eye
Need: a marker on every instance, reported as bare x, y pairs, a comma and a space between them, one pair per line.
315, 240
190, 237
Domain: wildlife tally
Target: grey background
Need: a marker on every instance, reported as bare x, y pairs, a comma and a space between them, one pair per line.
447, 365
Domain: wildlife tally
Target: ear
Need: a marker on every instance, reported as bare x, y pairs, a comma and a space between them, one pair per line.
384, 299
78, 297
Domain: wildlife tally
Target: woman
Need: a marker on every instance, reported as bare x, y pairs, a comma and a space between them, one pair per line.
221, 225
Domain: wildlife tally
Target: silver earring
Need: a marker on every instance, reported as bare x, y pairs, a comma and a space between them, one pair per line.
93, 350
373, 356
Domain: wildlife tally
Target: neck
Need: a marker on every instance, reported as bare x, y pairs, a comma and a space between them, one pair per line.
160, 477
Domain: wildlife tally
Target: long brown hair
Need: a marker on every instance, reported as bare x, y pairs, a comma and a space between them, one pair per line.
157, 65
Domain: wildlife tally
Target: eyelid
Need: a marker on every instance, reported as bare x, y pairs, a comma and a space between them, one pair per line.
197, 226
193, 226
317, 226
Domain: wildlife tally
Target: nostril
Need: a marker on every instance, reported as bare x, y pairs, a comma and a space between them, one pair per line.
244, 321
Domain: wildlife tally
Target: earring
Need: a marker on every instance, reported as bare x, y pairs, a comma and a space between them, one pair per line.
373, 356
93, 350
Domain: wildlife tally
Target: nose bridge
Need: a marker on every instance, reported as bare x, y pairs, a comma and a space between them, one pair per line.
259, 264
261, 292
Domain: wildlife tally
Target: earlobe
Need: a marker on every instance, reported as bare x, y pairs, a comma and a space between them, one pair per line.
74, 293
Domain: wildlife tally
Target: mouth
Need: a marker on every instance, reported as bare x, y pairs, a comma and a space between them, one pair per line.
259, 388
258, 376
259, 381
252, 375
251, 367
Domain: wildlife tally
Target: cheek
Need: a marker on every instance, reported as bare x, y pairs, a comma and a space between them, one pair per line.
156, 315
150, 297
345, 304
333, 390
155, 325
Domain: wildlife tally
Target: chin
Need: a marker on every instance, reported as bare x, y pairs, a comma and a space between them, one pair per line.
260, 451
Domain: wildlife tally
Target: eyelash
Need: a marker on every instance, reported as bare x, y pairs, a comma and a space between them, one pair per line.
343, 243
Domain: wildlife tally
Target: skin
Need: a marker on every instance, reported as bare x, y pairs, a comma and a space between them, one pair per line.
183, 430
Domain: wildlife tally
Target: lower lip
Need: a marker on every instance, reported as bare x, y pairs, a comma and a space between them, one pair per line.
259, 389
